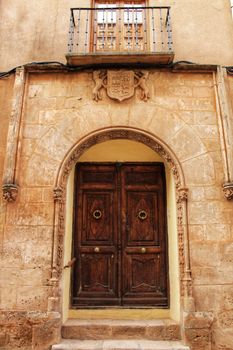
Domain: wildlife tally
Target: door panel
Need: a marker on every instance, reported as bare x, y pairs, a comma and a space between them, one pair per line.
143, 235
120, 235
142, 218
95, 278
98, 218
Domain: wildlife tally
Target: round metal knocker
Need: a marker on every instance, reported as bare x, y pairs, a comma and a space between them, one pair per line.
97, 214
142, 215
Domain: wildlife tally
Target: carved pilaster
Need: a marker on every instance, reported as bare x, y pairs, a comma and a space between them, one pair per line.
10, 188
228, 190
225, 123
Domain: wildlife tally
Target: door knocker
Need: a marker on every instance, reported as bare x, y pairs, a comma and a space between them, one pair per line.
142, 215
97, 214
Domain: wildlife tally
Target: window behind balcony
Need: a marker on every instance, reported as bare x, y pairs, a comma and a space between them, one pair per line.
119, 26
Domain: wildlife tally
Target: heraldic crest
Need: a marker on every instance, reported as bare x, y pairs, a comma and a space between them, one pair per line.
120, 84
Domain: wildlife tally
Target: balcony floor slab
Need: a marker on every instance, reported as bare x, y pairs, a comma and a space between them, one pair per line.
150, 58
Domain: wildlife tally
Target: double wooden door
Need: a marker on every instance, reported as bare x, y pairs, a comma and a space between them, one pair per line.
120, 235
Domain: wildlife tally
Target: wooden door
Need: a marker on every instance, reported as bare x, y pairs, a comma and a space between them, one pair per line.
119, 26
120, 235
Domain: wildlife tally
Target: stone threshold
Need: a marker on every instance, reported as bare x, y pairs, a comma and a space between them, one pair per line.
119, 345
100, 329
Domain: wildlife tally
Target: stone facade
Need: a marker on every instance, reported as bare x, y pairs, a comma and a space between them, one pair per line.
48, 120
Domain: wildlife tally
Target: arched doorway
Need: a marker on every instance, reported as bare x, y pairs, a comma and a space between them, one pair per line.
125, 150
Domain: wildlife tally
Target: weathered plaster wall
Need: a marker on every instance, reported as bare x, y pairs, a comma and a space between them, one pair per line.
38, 31
59, 111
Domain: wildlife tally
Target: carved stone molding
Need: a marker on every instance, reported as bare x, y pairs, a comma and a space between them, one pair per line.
181, 195
10, 192
120, 84
228, 190
57, 194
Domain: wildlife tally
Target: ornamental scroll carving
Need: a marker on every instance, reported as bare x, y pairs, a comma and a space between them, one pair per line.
120, 84
60, 192
10, 192
228, 190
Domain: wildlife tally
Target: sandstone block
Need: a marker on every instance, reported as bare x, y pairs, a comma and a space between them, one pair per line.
186, 144
211, 275
45, 334
35, 90
198, 320
34, 131
205, 118
31, 299
193, 174
196, 194
196, 233
200, 254
206, 212
202, 91
40, 171
227, 298
206, 131
199, 80
188, 117
207, 297
195, 104
198, 338
217, 232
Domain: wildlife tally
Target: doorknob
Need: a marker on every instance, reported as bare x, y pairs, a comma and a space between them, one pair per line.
96, 249
143, 250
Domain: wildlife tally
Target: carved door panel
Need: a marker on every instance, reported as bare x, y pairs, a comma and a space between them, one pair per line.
95, 279
144, 271
120, 235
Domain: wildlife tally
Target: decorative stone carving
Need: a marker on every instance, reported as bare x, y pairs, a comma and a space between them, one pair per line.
10, 192
228, 190
98, 77
182, 194
57, 193
120, 84
142, 79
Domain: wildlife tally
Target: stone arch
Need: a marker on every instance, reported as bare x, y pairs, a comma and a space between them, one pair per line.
169, 158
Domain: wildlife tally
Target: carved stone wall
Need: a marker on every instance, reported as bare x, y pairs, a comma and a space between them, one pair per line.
58, 121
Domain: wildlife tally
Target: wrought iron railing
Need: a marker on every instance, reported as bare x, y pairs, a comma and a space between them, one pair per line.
120, 30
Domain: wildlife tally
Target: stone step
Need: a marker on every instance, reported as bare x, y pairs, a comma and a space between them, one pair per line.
70, 344
163, 329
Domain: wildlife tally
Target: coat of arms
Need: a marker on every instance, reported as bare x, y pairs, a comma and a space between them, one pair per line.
120, 84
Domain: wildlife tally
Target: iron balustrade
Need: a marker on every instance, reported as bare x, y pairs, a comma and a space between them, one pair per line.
109, 29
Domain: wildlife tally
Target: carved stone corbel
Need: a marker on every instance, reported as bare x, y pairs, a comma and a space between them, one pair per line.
228, 190
10, 192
